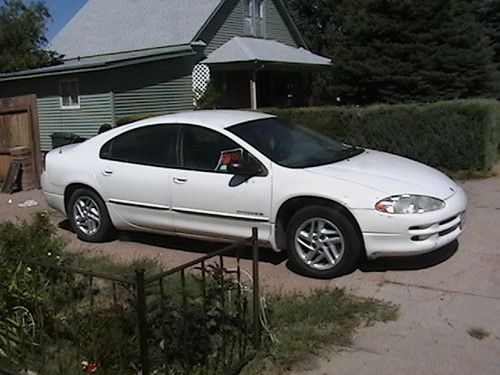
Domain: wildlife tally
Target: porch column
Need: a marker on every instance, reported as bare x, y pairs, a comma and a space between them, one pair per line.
253, 90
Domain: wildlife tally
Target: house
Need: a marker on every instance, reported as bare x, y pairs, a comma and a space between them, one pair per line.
124, 57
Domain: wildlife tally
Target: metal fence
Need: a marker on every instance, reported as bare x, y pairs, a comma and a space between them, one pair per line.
199, 318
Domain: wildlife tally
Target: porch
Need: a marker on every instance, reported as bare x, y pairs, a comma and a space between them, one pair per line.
255, 73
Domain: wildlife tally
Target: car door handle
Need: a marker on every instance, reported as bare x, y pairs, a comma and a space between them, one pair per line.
107, 173
180, 180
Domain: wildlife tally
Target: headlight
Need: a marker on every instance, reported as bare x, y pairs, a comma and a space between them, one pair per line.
409, 204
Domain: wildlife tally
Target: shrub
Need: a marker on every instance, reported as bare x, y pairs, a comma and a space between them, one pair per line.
124, 120
209, 99
451, 135
35, 240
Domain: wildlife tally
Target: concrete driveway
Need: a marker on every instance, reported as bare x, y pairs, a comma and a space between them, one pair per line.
441, 300
442, 295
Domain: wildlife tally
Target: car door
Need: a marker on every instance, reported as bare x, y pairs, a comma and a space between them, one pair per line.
207, 200
135, 176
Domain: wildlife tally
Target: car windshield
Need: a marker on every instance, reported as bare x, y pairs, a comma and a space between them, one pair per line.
292, 145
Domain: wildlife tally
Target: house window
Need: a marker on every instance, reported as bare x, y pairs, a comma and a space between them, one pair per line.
254, 17
70, 94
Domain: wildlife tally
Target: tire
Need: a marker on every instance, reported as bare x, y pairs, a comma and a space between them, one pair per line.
322, 242
89, 217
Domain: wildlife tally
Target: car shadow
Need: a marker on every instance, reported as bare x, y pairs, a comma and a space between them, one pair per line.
411, 263
190, 245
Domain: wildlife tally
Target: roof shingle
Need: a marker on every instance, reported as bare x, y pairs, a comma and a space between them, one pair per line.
112, 26
244, 49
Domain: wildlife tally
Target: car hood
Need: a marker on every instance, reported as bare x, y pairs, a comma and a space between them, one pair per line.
390, 175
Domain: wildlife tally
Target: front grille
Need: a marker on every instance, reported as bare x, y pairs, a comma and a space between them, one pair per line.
448, 231
439, 229
448, 220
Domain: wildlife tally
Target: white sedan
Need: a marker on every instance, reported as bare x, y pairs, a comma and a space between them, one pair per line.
216, 174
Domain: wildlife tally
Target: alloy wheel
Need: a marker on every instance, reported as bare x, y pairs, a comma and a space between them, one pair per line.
87, 215
319, 243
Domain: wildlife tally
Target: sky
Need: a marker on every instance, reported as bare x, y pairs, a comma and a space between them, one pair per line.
61, 11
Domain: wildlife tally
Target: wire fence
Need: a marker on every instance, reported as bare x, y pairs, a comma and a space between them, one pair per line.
199, 318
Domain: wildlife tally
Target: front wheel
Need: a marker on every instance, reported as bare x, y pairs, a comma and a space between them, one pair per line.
322, 242
89, 216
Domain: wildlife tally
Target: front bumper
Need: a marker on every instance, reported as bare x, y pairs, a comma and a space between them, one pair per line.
405, 235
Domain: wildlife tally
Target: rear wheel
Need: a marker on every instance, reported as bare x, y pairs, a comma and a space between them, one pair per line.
322, 242
89, 216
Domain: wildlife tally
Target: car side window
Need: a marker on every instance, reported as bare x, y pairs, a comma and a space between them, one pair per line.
150, 145
203, 149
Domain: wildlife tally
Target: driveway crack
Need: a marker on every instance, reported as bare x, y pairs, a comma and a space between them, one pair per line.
443, 290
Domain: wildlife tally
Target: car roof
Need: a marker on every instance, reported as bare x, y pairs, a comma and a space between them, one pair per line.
215, 119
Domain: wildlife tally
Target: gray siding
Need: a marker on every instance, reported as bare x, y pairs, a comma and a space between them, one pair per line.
230, 23
276, 28
166, 97
94, 111
95, 104
232, 26
156, 88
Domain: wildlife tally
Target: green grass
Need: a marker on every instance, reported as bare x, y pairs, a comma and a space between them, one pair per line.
306, 326
105, 265
478, 333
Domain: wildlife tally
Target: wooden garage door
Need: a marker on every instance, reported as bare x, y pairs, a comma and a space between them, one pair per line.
14, 131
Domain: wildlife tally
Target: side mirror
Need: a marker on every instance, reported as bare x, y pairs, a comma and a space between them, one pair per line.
244, 168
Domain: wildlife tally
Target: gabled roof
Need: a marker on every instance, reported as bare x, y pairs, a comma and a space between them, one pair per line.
111, 26
244, 50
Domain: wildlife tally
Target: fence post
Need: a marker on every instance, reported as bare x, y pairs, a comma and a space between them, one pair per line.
256, 294
142, 324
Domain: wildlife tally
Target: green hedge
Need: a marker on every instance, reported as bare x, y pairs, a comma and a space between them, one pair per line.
452, 135
124, 120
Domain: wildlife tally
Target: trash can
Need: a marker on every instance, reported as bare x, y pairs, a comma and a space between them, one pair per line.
63, 139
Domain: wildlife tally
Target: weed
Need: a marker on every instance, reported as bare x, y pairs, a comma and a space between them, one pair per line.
478, 333
307, 325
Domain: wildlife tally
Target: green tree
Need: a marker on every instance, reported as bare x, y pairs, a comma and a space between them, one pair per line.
317, 20
405, 50
488, 13
22, 36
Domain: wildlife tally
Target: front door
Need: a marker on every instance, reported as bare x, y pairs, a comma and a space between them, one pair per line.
209, 201
135, 176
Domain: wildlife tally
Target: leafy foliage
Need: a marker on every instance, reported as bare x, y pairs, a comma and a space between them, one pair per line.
124, 120
22, 36
194, 322
398, 50
210, 98
451, 135
35, 239
203, 325
488, 13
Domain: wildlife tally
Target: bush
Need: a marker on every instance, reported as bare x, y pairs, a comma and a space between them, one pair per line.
124, 120
34, 240
209, 99
451, 135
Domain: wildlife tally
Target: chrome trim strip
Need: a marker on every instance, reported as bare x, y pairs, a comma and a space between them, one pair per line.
140, 205
217, 214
